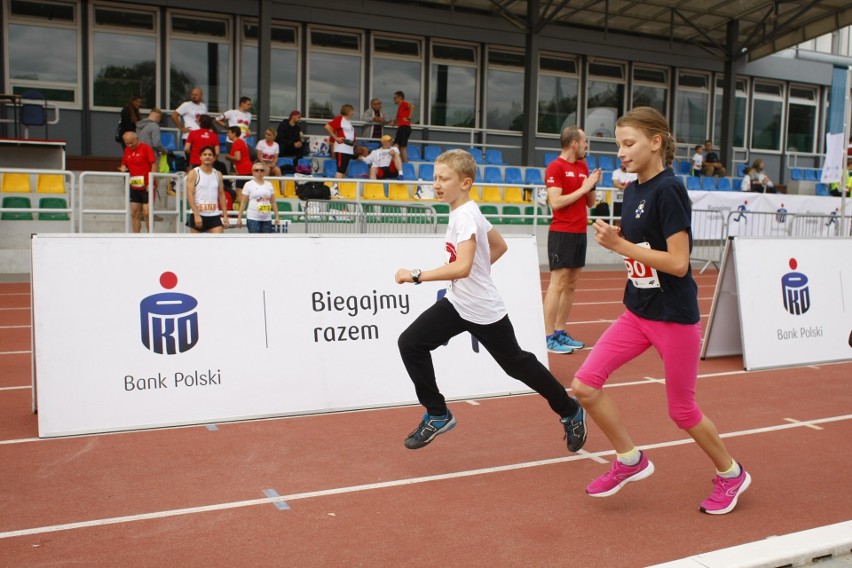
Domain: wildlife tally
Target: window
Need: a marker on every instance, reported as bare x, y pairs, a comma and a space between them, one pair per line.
651, 88
124, 56
56, 76
335, 74
504, 90
767, 116
604, 98
692, 107
199, 56
397, 66
802, 119
740, 112
284, 82
454, 86
558, 93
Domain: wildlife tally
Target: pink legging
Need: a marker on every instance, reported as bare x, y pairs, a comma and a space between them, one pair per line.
679, 346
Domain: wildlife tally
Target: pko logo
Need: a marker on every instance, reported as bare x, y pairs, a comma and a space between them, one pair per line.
797, 294
169, 320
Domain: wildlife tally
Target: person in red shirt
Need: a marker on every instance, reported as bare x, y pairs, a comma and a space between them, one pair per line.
239, 155
139, 160
570, 190
342, 133
403, 123
198, 139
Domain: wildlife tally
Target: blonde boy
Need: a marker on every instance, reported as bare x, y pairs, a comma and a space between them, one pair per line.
473, 304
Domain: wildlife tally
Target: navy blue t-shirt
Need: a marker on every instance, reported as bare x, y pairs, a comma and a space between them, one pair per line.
652, 212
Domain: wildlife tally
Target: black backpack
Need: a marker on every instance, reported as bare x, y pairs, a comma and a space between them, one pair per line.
313, 190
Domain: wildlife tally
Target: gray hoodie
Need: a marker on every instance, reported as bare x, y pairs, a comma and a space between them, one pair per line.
148, 132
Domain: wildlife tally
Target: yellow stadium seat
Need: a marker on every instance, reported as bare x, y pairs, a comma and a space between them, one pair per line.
491, 194
347, 190
50, 183
474, 193
513, 195
374, 191
290, 189
399, 192
276, 185
16, 183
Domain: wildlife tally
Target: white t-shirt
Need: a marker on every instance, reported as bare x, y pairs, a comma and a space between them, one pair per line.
190, 112
623, 177
697, 160
348, 134
381, 157
266, 151
207, 193
475, 298
236, 117
259, 200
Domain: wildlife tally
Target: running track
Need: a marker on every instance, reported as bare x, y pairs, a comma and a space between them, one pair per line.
499, 490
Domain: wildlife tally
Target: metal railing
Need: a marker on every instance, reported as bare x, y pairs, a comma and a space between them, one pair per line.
84, 211
70, 191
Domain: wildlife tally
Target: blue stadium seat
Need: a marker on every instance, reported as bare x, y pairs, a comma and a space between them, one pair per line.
606, 180
431, 152
741, 168
493, 174
810, 174
683, 167
477, 155
708, 183
549, 157
606, 163
408, 171
414, 154
494, 157
284, 162
358, 169
373, 145
329, 168
617, 163
305, 162
818, 174
513, 175
427, 172
693, 183
797, 174
591, 162
169, 140
725, 184
532, 176
822, 189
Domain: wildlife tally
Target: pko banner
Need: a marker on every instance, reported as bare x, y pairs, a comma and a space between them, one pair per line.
783, 302
137, 332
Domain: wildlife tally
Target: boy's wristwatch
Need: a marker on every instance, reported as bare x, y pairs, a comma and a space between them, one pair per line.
415, 275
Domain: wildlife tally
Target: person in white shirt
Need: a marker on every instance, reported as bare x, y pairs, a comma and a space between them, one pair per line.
259, 195
384, 161
238, 117
698, 160
342, 133
473, 304
374, 119
621, 178
186, 116
267, 151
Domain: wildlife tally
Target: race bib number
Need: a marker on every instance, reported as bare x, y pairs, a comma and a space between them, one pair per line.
203, 206
264, 207
642, 275
137, 182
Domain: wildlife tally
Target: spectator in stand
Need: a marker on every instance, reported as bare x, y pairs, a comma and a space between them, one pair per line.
148, 130
342, 133
187, 116
260, 197
384, 161
697, 160
404, 111
711, 166
139, 160
757, 180
199, 138
621, 178
239, 158
240, 117
205, 194
374, 119
129, 117
268, 151
291, 141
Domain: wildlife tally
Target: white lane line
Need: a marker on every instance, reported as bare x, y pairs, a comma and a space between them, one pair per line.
593, 457
11, 309
794, 421
22, 387
655, 380
15, 352
472, 403
15, 326
385, 484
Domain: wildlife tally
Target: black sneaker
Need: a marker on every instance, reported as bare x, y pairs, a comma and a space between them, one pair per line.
430, 427
575, 430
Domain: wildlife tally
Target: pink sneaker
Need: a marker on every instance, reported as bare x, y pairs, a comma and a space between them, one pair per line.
725, 494
618, 476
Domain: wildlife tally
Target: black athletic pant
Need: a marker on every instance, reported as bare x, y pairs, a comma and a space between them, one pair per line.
440, 323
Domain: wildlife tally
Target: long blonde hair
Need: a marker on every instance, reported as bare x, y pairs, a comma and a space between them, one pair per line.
652, 123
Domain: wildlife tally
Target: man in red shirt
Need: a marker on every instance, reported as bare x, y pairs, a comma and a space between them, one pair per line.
570, 190
239, 157
403, 123
139, 159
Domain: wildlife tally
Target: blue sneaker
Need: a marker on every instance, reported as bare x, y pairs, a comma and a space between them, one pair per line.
575, 430
430, 427
555, 346
567, 340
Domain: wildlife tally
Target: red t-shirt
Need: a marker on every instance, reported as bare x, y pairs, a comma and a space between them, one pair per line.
569, 176
198, 139
403, 114
139, 162
243, 166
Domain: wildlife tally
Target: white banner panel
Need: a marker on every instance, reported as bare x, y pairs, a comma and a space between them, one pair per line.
135, 332
795, 300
